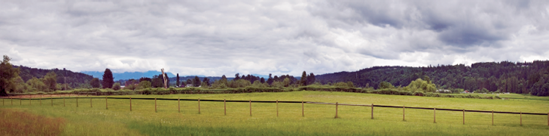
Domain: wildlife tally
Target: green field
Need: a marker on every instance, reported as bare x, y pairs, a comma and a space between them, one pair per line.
318, 119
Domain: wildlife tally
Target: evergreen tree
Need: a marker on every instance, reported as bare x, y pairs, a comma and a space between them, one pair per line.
311, 79
205, 81
236, 76
108, 79
189, 81
95, 83
196, 81
177, 78
303, 81
270, 79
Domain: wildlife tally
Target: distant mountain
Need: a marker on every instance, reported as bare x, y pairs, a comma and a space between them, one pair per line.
127, 75
263, 76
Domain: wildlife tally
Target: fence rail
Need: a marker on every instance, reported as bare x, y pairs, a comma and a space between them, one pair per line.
277, 101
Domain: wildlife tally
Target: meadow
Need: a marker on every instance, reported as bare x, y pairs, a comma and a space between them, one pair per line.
95, 119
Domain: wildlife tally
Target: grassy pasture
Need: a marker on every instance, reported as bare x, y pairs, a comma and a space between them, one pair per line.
318, 120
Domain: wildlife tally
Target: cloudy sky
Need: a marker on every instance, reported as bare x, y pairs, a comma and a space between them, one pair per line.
208, 37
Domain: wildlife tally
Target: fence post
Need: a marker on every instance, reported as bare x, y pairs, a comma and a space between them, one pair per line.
198, 105
372, 111
336, 109
403, 113
463, 116
225, 106
520, 118
250, 107
492, 117
154, 104
302, 109
130, 103
435, 115
178, 105
106, 103
277, 109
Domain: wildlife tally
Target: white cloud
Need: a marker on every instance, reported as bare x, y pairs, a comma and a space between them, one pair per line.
260, 37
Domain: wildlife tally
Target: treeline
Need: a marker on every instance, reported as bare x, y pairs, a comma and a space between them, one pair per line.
20, 79
63, 76
527, 77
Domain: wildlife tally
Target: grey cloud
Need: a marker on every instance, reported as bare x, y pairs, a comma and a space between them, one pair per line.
261, 37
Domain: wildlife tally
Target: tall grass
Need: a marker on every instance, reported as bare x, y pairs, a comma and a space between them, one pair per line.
15, 123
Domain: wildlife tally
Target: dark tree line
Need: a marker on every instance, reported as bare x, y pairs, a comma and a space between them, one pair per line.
73, 79
520, 77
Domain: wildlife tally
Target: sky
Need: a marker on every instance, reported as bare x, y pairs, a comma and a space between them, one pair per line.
224, 37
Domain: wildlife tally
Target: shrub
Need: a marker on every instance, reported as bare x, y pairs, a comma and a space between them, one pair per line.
418, 94
116, 86
144, 84
405, 93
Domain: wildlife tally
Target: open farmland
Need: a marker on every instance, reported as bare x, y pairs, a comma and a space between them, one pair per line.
95, 119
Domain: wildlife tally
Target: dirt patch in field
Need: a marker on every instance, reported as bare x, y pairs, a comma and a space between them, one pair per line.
17, 123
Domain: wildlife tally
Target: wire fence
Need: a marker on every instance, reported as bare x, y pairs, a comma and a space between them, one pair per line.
11, 99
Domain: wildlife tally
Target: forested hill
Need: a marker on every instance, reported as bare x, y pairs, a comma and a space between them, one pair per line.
74, 79
503, 76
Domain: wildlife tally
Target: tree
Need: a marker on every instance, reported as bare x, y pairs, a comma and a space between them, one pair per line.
95, 83
20, 86
108, 79
116, 86
196, 81
262, 80
144, 84
286, 82
311, 79
7, 72
385, 84
206, 81
158, 81
303, 81
189, 81
36, 84
177, 78
426, 78
145, 79
421, 85
236, 76
51, 81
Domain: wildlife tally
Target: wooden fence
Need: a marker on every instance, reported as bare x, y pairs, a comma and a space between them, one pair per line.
11, 99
